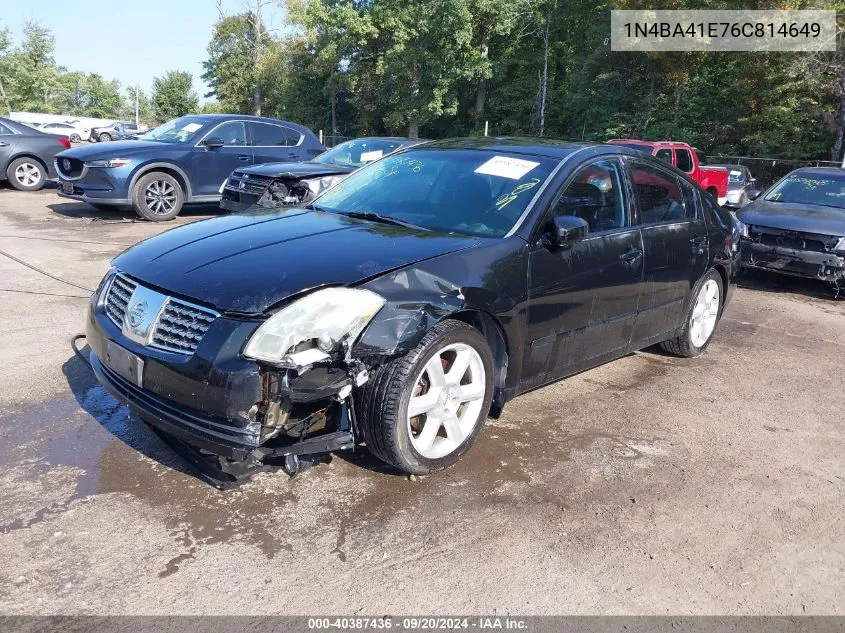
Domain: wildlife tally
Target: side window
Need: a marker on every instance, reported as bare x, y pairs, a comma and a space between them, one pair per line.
665, 155
596, 195
684, 160
690, 200
266, 134
5, 130
659, 194
232, 133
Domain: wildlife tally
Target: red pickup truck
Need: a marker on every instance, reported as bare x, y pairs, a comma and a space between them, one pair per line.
714, 180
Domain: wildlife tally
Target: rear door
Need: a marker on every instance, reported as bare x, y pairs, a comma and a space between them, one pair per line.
273, 143
675, 245
212, 167
583, 300
8, 142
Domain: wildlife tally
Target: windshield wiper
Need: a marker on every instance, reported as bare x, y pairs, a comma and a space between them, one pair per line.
384, 219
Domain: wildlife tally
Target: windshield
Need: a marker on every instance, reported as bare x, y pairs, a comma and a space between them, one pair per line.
181, 130
810, 189
454, 191
358, 152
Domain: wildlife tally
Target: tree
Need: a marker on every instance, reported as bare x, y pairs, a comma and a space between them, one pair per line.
145, 105
173, 95
232, 67
29, 72
102, 97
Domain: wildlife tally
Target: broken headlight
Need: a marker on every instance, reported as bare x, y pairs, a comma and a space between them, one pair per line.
319, 185
310, 328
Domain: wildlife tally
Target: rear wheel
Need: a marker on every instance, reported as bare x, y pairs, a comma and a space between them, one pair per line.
422, 411
75, 138
157, 197
26, 174
702, 317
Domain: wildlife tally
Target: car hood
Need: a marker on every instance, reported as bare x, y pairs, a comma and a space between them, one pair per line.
247, 263
118, 149
790, 216
296, 170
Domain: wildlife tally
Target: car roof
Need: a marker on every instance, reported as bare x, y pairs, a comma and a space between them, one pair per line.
549, 148
634, 141
830, 172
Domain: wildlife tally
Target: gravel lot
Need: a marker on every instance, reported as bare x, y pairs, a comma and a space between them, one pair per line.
650, 485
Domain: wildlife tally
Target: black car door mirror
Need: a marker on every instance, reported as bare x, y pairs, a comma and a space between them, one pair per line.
566, 230
753, 194
213, 142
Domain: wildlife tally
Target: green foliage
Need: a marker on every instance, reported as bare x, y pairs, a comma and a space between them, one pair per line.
173, 95
230, 69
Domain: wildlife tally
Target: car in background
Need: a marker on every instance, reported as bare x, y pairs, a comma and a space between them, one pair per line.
74, 133
714, 180
798, 226
186, 160
116, 131
403, 306
27, 155
281, 184
740, 182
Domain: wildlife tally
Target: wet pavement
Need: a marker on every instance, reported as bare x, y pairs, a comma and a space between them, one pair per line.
649, 485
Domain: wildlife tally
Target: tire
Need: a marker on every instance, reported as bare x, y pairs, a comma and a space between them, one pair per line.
26, 174
104, 137
383, 403
692, 341
157, 197
75, 138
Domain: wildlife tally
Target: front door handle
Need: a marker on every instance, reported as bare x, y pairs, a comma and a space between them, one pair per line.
2, 144
699, 244
243, 157
631, 257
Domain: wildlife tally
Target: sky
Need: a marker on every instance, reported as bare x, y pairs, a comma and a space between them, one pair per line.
132, 41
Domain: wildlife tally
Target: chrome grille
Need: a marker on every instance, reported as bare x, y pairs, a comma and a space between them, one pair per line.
179, 326
251, 184
117, 299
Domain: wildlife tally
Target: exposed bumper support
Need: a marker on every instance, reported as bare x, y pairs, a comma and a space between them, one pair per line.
792, 261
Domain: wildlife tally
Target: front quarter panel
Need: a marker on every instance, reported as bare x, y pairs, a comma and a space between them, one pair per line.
490, 279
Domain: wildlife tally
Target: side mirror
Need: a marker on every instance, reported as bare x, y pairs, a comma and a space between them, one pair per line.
753, 194
213, 142
566, 230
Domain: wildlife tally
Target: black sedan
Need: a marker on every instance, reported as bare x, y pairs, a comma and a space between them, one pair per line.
409, 302
798, 226
27, 154
281, 184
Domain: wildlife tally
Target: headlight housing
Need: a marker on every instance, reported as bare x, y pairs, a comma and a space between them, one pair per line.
840, 245
308, 329
319, 185
111, 162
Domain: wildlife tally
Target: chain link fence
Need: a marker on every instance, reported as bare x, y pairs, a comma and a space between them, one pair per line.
768, 170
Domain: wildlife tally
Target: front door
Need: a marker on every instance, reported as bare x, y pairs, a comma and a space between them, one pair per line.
8, 141
675, 243
212, 167
583, 300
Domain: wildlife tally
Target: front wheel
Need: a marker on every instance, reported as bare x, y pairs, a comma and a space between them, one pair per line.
105, 137
75, 138
26, 174
157, 197
421, 412
701, 319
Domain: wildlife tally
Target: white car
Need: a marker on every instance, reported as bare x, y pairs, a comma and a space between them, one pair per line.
74, 133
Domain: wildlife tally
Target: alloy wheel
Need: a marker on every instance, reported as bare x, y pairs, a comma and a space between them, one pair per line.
705, 313
28, 174
160, 197
446, 401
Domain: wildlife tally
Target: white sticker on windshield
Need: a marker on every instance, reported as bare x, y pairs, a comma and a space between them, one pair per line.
191, 127
736, 173
506, 167
367, 157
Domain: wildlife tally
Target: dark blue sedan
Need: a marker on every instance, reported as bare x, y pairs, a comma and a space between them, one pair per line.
186, 160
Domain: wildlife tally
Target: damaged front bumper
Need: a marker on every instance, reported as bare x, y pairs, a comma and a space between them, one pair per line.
797, 255
221, 404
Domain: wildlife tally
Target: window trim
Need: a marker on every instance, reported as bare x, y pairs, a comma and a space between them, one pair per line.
627, 198
284, 127
659, 167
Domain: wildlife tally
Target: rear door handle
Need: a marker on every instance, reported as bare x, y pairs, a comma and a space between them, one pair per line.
2, 144
699, 244
243, 157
